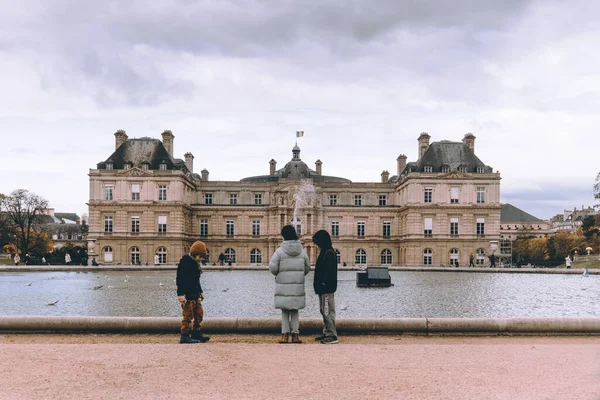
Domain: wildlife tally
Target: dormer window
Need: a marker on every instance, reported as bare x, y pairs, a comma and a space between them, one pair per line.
128, 165
480, 170
462, 168
109, 165
445, 168
162, 166
145, 166
428, 168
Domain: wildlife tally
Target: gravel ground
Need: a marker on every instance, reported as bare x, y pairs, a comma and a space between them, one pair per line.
91, 366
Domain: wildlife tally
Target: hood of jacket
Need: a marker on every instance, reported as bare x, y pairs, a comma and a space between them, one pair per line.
292, 248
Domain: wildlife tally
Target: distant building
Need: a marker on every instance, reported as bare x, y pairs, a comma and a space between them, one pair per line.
435, 211
65, 228
571, 220
515, 223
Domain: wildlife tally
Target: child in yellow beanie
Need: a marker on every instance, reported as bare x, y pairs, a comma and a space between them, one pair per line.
190, 295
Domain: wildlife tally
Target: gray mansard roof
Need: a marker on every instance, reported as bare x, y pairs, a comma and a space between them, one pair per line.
143, 151
446, 155
510, 213
295, 169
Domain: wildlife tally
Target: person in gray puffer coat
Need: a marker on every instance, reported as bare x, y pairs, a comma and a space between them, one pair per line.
289, 264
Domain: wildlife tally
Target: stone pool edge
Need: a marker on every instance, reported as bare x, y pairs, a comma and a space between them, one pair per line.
400, 326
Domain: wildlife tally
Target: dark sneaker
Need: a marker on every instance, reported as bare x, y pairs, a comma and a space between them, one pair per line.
330, 340
199, 336
319, 338
187, 339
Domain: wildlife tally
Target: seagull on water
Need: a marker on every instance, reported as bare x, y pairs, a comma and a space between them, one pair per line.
52, 304
28, 284
98, 287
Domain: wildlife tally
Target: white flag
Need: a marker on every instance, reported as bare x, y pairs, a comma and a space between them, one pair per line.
299, 133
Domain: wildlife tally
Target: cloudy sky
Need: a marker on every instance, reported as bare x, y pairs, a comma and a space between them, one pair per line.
235, 79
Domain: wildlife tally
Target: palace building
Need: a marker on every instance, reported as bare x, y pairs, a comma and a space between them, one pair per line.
435, 211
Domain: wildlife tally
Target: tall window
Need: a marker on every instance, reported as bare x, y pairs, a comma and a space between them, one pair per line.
255, 256
360, 257
335, 228
204, 227
233, 198
108, 192
229, 255
453, 257
208, 198
358, 200
333, 199
109, 166
427, 257
382, 200
162, 192
387, 229
145, 166
445, 168
135, 224
480, 170
480, 195
162, 255
338, 256
258, 199
428, 168
108, 254
454, 226
162, 223
230, 228
480, 260
386, 257
427, 195
135, 191
108, 223
135, 255
480, 227
256, 228
453, 195
360, 229
428, 226
162, 166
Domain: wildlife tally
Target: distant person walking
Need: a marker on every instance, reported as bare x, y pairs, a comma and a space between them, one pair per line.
221, 259
190, 294
471, 258
325, 285
568, 262
17, 259
492, 261
67, 258
289, 264
156, 259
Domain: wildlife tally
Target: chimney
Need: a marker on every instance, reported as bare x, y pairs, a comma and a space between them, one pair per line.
204, 173
319, 165
385, 177
273, 166
423, 143
189, 161
120, 138
469, 140
401, 163
168, 137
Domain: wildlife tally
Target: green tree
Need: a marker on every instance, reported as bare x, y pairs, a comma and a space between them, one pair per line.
597, 189
24, 211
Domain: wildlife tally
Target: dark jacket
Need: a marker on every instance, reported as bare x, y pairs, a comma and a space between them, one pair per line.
188, 278
326, 272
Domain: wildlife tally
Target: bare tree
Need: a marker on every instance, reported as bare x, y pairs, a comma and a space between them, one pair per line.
597, 189
24, 210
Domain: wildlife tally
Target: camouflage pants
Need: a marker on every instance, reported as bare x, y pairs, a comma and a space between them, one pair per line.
191, 310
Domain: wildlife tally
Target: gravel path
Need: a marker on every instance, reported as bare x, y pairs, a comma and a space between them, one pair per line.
39, 366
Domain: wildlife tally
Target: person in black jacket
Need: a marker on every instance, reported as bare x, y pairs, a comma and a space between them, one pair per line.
190, 295
325, 285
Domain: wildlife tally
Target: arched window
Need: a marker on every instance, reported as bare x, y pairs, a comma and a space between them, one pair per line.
108, 254
453, 257
162, 255
338, 256
135, 255
229, 255
255, 256
427, 257
480, 257
360, 257
386, 257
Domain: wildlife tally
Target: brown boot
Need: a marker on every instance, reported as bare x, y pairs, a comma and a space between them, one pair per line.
285, 338
296, 338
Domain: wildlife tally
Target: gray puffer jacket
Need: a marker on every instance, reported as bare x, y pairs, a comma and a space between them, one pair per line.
289, 264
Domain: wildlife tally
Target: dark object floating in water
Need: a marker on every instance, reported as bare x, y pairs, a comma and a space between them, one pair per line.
374, 277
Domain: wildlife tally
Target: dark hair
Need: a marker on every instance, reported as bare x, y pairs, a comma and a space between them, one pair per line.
289, 233
322, 239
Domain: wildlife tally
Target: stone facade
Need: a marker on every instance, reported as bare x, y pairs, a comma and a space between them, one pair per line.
435, 211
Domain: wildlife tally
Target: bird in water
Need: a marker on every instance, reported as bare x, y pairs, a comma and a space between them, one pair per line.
224, 290
98, 287
344, 308
28, 284
161, 284
53, 303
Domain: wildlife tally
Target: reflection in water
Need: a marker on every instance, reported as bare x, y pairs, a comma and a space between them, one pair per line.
250, 294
